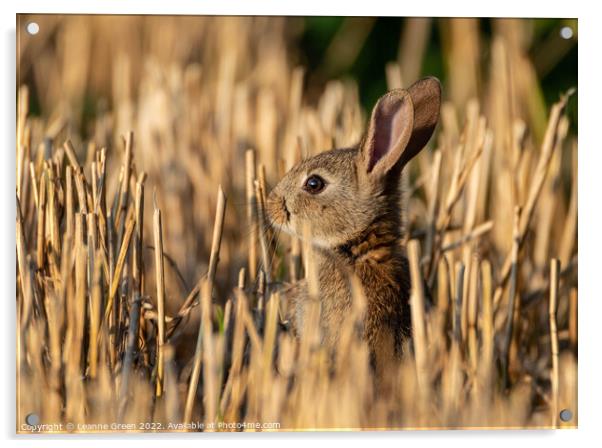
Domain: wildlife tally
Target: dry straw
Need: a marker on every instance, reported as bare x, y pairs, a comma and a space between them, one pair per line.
175, 315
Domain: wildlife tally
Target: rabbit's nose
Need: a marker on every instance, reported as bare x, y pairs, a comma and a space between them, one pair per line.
276, 208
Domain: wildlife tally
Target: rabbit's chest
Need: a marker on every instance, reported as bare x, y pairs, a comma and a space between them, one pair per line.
386, 291
335, 299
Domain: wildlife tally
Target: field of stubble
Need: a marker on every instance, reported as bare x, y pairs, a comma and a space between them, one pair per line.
141, 244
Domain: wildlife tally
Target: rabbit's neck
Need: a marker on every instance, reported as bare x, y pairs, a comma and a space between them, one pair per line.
379, 243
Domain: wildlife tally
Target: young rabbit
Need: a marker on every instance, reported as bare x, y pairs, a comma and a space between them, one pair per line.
351, 200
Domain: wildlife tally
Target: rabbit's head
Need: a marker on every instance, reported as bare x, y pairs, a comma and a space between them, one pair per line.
337, 194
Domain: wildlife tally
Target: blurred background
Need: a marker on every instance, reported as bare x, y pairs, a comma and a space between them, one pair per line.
358, 47
457, 51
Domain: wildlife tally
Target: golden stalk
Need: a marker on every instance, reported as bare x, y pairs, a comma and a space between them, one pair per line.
573, 334
552, 312
510, 313
95, 315
160, 279
487, 334
218, 228
261, 218
418, 321
250, 177
114, 285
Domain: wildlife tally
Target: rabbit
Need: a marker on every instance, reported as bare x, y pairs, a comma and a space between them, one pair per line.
350, 200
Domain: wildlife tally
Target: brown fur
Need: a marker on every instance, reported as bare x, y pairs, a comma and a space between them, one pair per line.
355, 221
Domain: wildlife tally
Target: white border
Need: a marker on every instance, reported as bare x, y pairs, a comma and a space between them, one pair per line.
590, 228
433, 8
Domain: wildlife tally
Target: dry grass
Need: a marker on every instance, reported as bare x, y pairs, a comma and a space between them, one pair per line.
123, 229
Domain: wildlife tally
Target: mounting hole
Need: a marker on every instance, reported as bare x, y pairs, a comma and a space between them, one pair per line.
566, 415
32, 28
566, 32
32, 419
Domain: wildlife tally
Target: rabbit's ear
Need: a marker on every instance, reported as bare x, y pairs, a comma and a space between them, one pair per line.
426, 98
402, 123
388, 134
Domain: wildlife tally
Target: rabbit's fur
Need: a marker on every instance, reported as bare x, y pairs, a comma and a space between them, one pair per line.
355, 221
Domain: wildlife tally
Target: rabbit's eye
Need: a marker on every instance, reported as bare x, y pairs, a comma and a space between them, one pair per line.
314, 184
